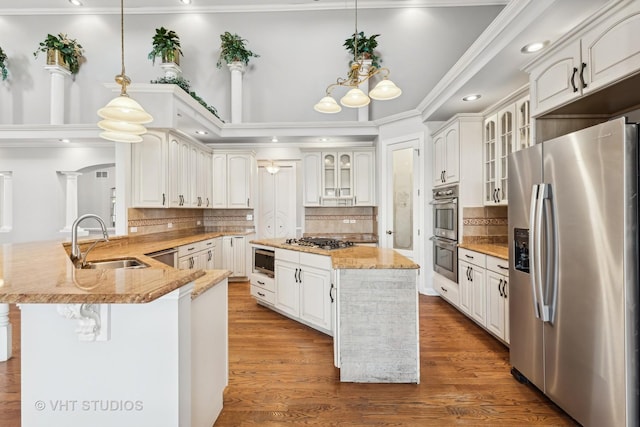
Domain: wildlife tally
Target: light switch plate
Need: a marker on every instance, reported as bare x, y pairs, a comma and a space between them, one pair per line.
169, 225
133, 229
249, 217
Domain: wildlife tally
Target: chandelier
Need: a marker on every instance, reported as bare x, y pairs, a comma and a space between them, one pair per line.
123, 117
361, 71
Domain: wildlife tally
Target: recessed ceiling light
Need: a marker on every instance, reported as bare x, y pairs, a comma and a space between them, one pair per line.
534, 47
185, 1
202, 132
75, 2
472, 97
65, 140
324, 139
274, 139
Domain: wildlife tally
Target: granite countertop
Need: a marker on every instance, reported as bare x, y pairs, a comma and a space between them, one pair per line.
42, 272
354, 257
494, 249
351, 237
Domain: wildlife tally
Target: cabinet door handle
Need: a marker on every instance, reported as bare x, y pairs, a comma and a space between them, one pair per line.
504, 289
471, 274
210, 256
584, 84
164, 198
331, 292
247, 202
295, 276
500, 288
300, 276
207, 202
191, 262
573, 79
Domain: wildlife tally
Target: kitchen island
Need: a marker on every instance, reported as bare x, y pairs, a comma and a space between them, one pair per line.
107, 347
366, 297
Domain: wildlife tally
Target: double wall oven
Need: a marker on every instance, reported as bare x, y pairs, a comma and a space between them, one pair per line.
445, 232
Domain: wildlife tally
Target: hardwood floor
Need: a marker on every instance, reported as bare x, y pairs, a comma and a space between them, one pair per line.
282, 374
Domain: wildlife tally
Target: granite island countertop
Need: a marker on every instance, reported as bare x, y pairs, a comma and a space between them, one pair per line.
42, 272
354, 257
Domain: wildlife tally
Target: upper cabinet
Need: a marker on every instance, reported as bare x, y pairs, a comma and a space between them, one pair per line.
170, 171
446, 155
599, 53
505, 132
339, 178
233, 175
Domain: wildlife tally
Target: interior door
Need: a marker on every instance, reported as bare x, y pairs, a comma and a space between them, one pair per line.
403, 205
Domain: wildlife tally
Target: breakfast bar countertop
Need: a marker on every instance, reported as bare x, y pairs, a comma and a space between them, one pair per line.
42, 272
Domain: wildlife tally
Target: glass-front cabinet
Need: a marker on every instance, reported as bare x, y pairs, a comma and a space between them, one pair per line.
337, 179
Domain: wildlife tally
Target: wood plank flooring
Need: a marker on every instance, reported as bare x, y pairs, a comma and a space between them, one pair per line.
282, 374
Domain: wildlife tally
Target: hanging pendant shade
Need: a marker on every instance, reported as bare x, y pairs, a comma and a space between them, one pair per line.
355, 98
123, 108
385, 90
122, 127
327, 105
121, 137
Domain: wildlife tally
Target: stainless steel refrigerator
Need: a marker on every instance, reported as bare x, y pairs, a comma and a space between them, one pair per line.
573, 303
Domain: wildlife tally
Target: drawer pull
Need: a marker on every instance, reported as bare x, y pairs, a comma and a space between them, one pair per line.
261, 294
502, 267
468, 256
445, 290
260, 282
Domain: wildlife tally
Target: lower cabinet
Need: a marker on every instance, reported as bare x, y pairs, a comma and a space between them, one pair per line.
203, 255
482, 291
263, 288
303, 286
234, 253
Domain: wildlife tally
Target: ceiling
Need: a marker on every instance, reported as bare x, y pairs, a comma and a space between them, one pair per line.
491, 66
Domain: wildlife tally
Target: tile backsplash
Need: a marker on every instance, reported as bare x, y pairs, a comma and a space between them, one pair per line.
485, 224
147, 221
362, 220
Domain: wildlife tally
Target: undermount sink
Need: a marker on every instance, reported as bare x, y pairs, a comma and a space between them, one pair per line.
115, 263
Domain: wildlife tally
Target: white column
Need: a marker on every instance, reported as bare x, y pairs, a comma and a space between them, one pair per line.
237, 69
71, 201
58, 75
363, 112
5, 333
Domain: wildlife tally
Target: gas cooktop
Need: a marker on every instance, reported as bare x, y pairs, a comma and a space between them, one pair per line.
320, 243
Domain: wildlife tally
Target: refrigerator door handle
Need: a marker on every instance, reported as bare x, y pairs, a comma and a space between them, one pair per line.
543, 195
551, 238
533, 248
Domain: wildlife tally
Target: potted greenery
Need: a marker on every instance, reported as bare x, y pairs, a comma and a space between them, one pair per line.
366, 48
232, 49
61, 50
3, 65
166, 45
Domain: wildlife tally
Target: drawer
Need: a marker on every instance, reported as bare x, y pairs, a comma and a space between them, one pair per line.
447, 289
287, 255
472, 257
208, 244
498, 265
318, 261
263, 295
187, 250
264, 282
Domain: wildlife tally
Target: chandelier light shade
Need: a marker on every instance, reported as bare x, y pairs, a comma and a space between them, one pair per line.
123, 116
272, 168
360, 72
327, 105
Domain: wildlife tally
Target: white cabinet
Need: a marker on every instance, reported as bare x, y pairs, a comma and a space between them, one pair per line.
276, 206
234, 255
447, 289
364, 178
263, 288
595, 56
446, 157
303, 286
471, 277
498, 297
339, 178
149, 176
232, 180
203, 255
169, 171
505, 132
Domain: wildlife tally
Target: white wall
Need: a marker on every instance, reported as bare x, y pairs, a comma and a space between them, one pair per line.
39, 191
94, 194
301, 54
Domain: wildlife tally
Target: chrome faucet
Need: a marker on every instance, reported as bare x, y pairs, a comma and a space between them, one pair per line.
76, 253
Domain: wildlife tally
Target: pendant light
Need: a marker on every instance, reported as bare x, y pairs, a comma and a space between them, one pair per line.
123, 117
359, 73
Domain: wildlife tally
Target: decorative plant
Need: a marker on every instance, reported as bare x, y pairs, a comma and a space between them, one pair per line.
233, 49
70, 50
366, 48
166, 45
186, 86
3, 65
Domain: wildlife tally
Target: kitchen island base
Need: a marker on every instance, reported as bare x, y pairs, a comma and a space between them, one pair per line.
378, 326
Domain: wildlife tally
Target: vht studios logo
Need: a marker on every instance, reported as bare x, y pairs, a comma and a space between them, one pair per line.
89, 405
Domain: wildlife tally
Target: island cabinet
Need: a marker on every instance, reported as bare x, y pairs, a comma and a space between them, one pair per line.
339, 178
233, 176
587, 59
303, 287
170, 171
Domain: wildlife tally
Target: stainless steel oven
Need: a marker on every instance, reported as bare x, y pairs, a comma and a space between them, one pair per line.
445, 212
445, 258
